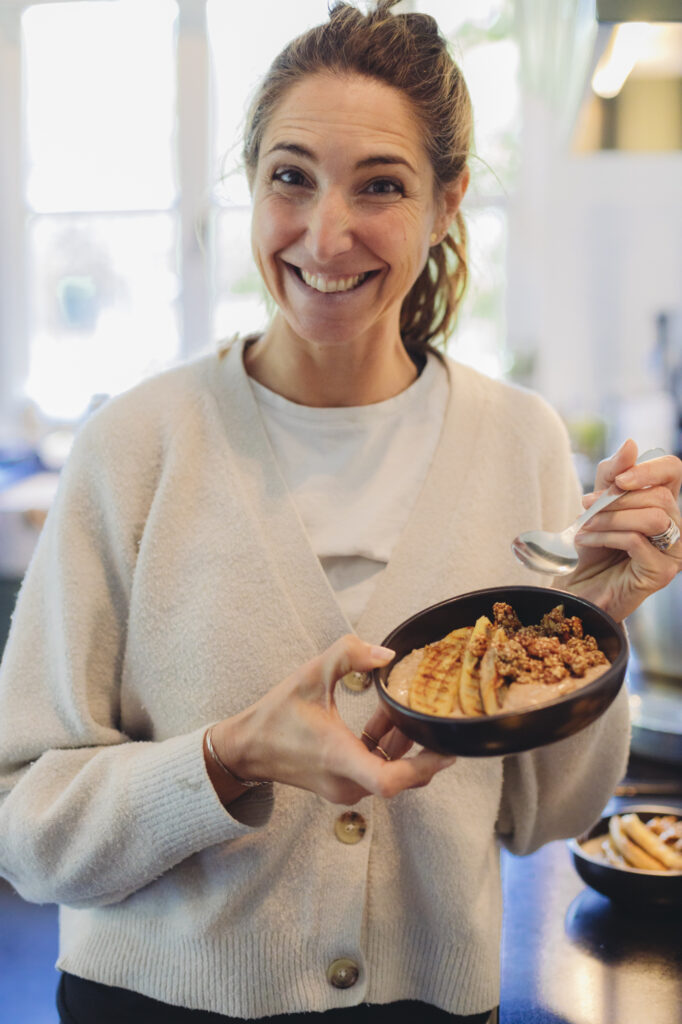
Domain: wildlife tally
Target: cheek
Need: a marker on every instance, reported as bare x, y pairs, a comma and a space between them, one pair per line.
261, 233
268, 228
407, 238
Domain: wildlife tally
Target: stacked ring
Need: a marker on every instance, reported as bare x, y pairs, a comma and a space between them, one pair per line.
376, 745
664, 541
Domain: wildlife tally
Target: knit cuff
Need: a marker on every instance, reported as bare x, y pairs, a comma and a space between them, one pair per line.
182, 807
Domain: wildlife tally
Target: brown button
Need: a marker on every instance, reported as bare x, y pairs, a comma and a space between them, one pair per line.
356, 681
350, 827
343, 973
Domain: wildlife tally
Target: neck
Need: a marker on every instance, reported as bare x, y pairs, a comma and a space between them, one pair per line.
342, 374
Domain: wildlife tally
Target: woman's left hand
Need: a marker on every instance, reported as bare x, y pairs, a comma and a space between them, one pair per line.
618, 565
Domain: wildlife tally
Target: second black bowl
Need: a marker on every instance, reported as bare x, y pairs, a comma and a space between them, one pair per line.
514, 731
636, 889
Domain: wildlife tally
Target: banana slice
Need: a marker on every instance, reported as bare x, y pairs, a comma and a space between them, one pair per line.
611, 854
435, 687
470, 679
635, 828
634, 854
489, 681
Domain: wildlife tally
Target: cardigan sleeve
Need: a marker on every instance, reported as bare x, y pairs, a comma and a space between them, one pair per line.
88, 814
556, 791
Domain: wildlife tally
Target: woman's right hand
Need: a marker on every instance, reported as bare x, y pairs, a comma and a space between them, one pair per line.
295, 735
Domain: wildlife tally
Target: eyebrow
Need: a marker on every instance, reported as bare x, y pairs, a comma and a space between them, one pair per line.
379, 160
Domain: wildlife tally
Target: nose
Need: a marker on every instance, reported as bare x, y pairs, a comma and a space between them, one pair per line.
329, 231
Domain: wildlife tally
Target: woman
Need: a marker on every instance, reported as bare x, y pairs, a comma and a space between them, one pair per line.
230, 543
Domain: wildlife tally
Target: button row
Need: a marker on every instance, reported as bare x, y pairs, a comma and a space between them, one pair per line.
349, 828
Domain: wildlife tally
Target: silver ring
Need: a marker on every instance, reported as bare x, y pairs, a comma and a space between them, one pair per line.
664, 541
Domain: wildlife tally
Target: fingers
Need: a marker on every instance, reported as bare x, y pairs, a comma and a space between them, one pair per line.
665, 471
652, 568
621, 469
379, 724
347, 654
647, 512
385, 778
609, 469
354, 771
390, 745
392, 777
647, 507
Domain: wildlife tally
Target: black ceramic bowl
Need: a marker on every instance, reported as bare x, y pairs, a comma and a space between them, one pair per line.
635, 888
513, 731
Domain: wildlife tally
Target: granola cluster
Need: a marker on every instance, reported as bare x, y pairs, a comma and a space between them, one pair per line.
546, 653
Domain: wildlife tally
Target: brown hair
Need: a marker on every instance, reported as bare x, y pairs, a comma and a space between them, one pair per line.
408, 52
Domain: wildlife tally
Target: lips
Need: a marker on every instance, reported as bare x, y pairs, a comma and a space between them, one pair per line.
328, 283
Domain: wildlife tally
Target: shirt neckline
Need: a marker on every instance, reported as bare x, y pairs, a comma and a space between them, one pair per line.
388, 407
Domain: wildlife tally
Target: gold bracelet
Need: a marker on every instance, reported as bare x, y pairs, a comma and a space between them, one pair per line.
247, 783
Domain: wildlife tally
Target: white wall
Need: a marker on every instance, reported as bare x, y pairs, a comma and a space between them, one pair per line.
595, 253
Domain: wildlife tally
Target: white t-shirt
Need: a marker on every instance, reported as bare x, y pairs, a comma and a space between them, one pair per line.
354, 474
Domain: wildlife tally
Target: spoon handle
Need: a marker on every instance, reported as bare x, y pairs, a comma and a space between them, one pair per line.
614, 492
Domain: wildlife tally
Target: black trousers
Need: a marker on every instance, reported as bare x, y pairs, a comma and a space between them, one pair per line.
87, 1002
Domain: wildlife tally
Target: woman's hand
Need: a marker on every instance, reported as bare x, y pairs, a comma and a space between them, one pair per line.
618, 565
295, 735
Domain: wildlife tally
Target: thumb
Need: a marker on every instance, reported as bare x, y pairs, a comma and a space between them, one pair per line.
349, 654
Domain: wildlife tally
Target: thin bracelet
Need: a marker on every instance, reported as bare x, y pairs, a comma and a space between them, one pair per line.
247, 783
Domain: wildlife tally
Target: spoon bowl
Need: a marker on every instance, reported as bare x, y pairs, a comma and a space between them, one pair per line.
555, 554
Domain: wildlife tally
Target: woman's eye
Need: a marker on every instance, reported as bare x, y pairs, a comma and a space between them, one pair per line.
289, 176
385, 187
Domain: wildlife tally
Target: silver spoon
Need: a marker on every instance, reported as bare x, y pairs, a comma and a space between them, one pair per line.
555, 553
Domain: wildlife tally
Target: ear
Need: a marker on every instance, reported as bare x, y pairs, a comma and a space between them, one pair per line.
450, 202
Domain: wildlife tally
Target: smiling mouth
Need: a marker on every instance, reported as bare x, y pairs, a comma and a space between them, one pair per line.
327, 285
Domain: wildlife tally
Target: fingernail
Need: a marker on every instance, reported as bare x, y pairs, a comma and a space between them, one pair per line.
384, 653
627, 477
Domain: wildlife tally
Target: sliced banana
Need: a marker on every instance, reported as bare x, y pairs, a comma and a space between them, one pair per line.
489, 680
470, 679
633, 853
611, 854
435, 687
635, 828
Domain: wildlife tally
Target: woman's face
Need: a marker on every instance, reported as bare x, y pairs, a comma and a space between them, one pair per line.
343, 207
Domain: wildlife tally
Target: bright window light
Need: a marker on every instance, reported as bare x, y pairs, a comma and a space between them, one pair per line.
100, 190
103, 306
100, 105
240, 58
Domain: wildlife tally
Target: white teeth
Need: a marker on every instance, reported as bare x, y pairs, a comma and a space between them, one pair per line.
331, 284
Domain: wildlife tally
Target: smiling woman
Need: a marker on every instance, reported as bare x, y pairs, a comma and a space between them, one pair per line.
345, 211
184, 694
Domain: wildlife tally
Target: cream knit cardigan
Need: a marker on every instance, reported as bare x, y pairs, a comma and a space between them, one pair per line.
173, 584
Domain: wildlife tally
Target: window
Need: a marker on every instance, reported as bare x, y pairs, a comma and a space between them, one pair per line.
124, 214
100, 198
